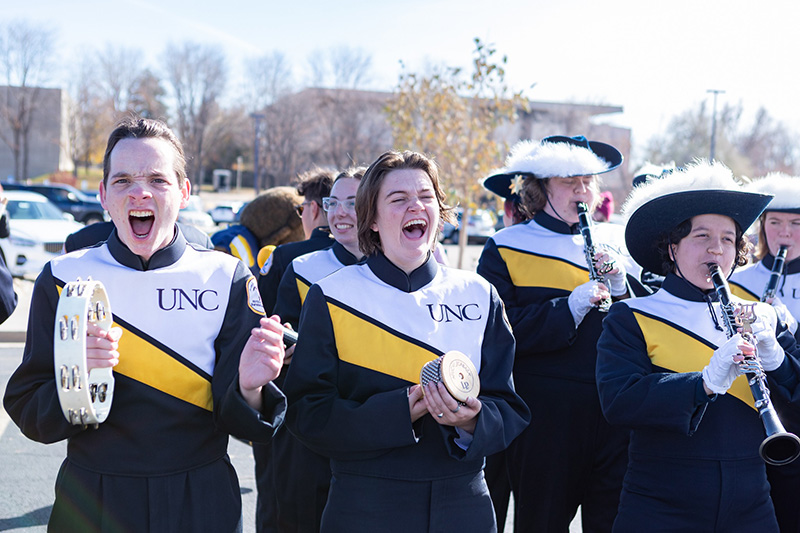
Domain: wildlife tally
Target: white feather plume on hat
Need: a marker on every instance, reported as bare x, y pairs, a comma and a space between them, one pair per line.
785, 189
551, 159
697, 176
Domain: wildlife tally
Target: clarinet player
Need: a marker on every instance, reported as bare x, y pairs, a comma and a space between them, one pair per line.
570, 457
668, 370
777, 282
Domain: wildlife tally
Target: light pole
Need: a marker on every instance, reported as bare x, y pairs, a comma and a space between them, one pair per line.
256, 176
714, 122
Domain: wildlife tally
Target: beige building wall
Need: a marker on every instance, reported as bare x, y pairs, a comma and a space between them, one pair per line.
48, 141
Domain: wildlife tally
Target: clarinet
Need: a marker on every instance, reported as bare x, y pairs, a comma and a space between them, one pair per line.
584, 224
780, 447
775, 275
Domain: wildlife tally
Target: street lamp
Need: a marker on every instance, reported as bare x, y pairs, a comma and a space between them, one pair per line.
714, 122
256, 176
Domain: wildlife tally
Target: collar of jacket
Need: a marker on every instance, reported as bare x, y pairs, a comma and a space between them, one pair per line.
555, 225
164, 257
343, 255
392, 275
791, 267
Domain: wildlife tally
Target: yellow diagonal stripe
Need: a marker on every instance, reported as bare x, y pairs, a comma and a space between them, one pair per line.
743, 293
364, 344
528, 270
669, 348
140, 360
302, 289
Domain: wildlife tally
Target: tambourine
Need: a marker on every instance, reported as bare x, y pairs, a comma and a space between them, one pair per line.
85, 397
456, 372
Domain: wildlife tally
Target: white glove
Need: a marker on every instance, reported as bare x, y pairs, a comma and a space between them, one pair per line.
721, 370
769, 350
579, 300
614, 280
784, 315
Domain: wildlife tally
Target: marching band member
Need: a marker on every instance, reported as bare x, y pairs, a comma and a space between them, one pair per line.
668, 364
570, 457
402, 460
301, 476
778, 225
313, 186
195, 361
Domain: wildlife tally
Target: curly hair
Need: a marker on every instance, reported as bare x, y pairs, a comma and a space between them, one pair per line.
667, 239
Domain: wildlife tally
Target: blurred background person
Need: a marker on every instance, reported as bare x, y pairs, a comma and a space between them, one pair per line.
312, 186
268, 220
778, 225
301, 477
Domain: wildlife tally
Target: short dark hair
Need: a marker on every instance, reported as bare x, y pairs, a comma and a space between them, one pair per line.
315, 184
666, 240
136, 127
350, 172
369, 189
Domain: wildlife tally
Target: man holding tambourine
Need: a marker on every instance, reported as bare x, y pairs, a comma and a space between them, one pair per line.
192, 357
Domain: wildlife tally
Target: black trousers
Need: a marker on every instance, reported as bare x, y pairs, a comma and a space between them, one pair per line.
569, 456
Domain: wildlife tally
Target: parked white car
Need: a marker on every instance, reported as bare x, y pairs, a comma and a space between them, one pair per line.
226, 212
37, 229
194, 215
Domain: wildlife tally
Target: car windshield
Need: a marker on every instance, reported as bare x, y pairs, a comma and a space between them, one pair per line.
28, 210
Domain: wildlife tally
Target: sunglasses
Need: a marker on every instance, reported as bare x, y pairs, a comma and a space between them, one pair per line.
300, 208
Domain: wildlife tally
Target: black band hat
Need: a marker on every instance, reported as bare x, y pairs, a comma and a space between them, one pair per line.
657, 207
556, 156
649, 172
785, 189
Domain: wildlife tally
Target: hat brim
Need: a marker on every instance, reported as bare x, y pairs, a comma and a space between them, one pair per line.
661, 215
792, 210
500, 184
604, 151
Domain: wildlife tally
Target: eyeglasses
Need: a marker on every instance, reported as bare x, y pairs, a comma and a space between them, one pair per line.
299, 208
330, 204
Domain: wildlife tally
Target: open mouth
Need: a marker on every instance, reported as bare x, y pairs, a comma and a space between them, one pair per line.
343, 227
415, 229
141, 223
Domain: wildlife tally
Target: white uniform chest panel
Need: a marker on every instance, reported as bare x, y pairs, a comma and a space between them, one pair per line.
450, 313
533, 238
180, 306
316, 265
691, 316
754, 278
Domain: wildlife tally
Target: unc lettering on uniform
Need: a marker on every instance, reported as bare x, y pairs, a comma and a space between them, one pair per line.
461, 312
181, 300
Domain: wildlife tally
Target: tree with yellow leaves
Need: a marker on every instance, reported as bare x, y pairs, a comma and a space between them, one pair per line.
455, 120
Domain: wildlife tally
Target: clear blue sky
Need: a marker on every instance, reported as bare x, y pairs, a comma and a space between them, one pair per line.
655, 59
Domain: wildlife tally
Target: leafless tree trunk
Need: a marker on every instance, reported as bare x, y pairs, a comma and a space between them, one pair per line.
120, 69
88, 118
197, 75
26, 56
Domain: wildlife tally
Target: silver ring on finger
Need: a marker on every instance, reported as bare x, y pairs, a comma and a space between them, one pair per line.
440, 415
456, 409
